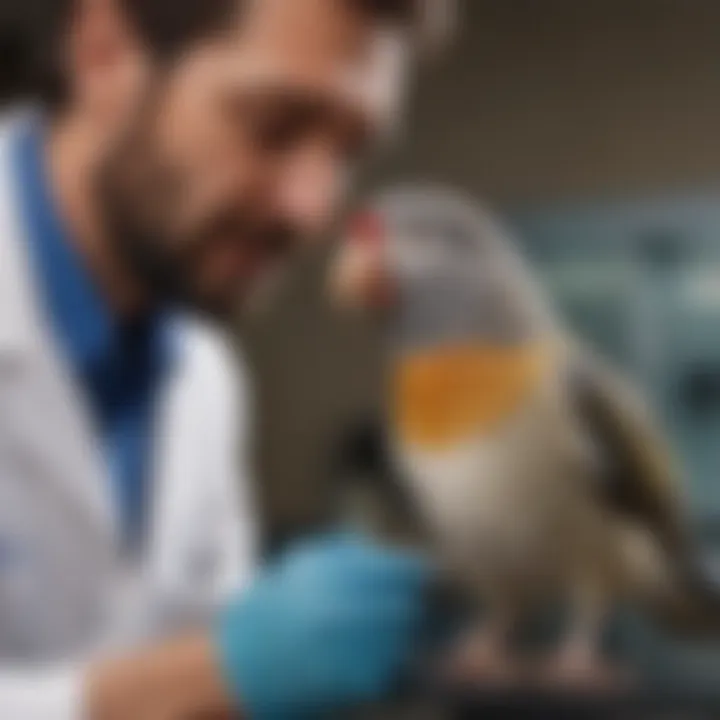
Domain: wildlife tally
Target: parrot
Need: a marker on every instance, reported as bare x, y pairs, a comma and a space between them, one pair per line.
533, 468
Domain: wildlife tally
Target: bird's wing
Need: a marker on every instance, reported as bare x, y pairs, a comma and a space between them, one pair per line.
641, 480
638, 474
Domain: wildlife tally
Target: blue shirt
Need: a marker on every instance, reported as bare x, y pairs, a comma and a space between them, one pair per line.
119, 365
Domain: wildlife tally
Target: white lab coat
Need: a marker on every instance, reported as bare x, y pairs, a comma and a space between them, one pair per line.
66, 594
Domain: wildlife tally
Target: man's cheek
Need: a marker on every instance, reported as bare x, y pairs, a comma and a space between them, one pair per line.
223, 266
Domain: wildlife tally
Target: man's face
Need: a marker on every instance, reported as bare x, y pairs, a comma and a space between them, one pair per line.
242, 150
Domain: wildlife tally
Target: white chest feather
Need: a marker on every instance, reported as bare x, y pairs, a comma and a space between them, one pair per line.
498, 500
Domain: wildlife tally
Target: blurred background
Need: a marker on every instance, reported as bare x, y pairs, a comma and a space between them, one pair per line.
594, 128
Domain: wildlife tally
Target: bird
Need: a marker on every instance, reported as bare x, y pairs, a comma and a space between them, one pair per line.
532, 468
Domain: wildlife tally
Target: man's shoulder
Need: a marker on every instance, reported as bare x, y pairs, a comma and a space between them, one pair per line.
10, 117
12, 122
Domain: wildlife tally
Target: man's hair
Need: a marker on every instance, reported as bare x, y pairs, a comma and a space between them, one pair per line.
169, 26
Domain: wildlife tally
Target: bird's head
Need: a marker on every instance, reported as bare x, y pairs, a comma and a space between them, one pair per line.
464, 323
436, 269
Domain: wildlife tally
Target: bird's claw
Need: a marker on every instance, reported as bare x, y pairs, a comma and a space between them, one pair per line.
584, 671
480, 663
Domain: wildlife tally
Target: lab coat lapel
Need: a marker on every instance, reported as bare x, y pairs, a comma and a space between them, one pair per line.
63, 440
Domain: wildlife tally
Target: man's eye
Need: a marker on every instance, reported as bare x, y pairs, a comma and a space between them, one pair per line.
280, 131
354, 141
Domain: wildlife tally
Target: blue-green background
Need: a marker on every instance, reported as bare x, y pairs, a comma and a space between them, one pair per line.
641, 281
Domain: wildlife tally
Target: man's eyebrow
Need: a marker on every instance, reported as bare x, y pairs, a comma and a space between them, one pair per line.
310, 95
357, 120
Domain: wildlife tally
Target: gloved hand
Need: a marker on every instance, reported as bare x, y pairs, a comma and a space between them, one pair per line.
331, 625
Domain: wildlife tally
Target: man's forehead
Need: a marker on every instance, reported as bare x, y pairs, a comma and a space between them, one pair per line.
324, 46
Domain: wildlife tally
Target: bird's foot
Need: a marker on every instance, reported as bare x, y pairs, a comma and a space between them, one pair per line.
580, 669
482, 661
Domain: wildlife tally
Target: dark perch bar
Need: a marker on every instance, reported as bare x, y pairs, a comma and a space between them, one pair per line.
640, 705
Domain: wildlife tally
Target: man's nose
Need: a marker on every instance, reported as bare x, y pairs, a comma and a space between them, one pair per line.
310, 188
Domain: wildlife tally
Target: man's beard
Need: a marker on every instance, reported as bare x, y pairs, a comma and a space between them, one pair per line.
137, 195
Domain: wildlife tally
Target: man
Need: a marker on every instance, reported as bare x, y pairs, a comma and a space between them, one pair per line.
188, 149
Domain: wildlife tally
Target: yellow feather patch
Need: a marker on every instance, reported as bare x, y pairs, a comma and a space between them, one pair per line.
445, 396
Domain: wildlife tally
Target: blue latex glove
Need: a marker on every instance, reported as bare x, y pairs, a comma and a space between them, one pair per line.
331, 625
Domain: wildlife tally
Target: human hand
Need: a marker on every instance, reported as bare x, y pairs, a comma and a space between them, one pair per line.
331, 625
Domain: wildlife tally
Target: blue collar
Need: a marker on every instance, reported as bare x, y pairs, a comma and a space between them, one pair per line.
83, 322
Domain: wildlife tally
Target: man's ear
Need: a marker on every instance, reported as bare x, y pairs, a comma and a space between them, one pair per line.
107, 62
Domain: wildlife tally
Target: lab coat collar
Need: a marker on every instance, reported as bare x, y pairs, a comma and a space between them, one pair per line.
27, 346
20, 318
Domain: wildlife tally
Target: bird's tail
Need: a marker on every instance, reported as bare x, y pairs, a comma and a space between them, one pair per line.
689, 606
677, 587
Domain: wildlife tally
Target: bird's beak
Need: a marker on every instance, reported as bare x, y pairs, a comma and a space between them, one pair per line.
360, 277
